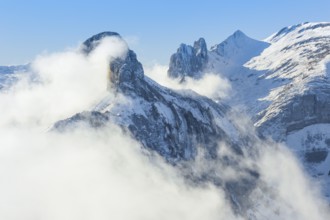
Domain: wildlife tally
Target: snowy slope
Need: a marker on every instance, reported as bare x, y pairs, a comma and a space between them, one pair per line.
292, 102
291, 80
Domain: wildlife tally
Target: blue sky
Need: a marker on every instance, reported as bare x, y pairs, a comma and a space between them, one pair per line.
154, 29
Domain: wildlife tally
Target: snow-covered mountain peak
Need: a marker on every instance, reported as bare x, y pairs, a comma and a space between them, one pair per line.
239, 48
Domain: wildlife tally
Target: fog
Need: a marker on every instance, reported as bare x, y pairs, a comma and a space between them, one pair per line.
104, 173
211, 85
65, 83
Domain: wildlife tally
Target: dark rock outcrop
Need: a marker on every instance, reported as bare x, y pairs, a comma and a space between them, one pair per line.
189, 61
128, 70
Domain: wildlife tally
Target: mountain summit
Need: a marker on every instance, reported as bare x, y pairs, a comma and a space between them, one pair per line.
239, 48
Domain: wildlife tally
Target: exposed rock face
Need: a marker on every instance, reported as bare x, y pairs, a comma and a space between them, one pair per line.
297, 113
127, 70
189, 61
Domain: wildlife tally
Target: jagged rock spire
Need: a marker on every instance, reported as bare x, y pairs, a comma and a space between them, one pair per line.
126, 71
122, 70
188, 60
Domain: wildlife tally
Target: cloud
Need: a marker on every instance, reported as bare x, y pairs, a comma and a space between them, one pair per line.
211, 85
68, 82
285, 191
94, 175
132, 40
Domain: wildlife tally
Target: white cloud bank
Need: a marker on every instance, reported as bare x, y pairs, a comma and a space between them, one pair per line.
94, 175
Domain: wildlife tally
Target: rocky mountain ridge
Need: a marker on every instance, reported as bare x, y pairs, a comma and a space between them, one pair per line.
171, 123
